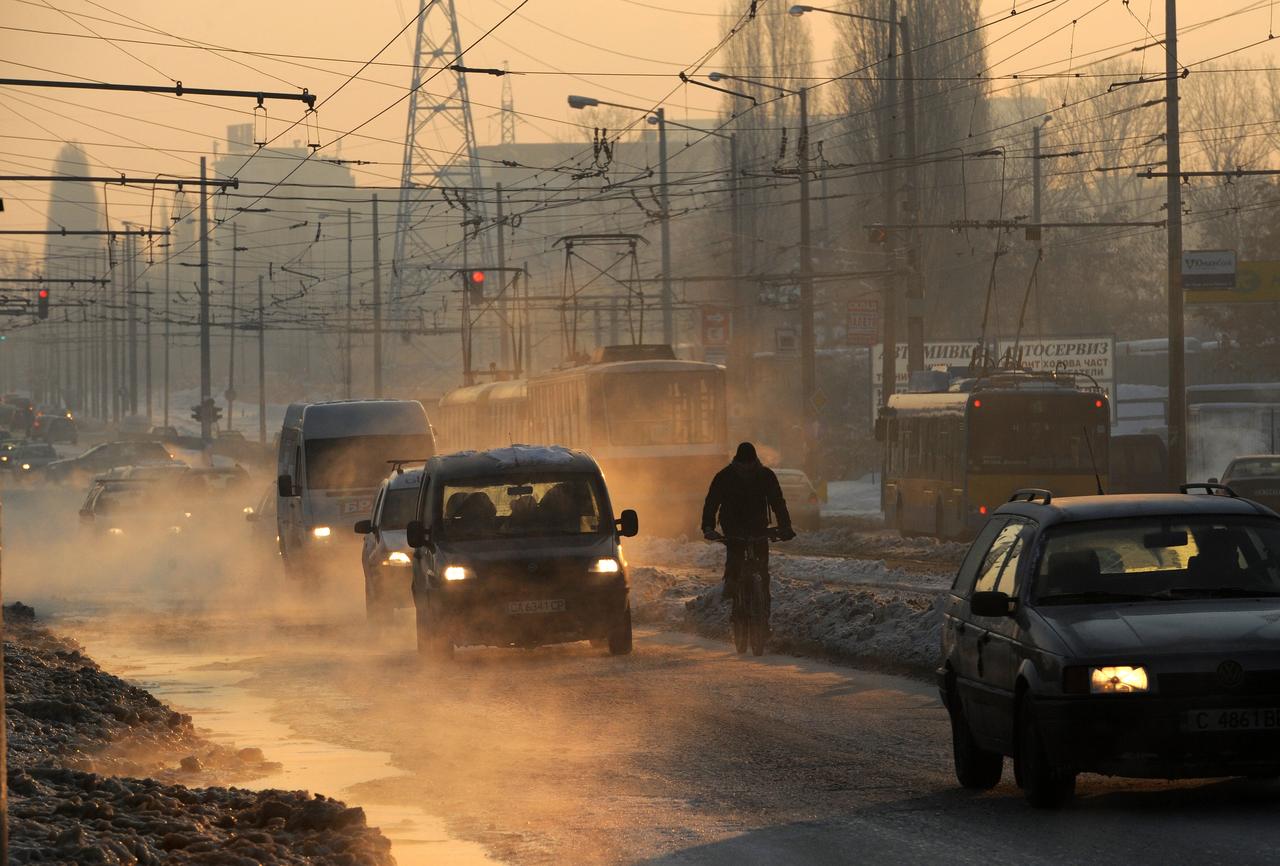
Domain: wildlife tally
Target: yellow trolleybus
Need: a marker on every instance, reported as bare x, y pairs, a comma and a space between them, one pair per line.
952, 457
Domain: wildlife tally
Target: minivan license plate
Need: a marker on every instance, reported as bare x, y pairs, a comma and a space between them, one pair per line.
554, 605
1264, 719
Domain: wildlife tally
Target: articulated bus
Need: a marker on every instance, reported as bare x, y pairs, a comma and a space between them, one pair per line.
950, 458
657, 426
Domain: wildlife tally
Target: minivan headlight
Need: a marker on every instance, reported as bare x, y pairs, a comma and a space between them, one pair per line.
456, 572
606, 565
1118, 679
397, 558
321, 532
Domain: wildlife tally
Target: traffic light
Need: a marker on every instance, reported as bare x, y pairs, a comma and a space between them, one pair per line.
475, 286
42, 304
207, 409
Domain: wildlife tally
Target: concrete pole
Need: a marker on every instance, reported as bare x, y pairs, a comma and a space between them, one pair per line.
262, 366
889, 296
664, 202
206, 372
915, 280
377, 305
231, 348
350, 305
1177, 348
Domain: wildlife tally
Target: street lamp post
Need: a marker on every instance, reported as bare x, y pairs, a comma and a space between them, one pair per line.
889, 297
808, 352
668, 298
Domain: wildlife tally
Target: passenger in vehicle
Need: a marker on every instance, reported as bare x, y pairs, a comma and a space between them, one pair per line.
560, 509
524, 512
1217, 558
477, 516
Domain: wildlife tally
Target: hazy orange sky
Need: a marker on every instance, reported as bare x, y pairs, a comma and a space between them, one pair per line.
625, 50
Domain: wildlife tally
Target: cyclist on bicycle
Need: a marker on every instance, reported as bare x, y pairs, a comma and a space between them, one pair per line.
742, 495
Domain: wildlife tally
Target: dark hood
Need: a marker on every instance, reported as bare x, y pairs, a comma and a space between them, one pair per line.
1148, 629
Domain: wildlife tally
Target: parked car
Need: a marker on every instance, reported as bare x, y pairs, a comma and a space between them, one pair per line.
1255, 477
519, 546
802, 499
101, 458
1139, 464
386, 555
1132, 635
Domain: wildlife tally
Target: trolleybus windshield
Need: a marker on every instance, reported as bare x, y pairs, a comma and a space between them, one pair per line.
1005, 438
662, 409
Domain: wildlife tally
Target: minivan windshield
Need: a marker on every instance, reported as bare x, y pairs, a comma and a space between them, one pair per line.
520, 508
1159, 559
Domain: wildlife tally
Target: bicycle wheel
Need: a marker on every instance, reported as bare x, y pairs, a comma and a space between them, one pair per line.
739, 619
758, 623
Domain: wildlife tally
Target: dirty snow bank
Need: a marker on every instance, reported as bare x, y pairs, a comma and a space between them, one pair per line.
889, 630
883, 544
853, 498
72, 727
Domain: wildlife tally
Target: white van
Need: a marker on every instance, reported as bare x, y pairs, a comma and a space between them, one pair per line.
332, 458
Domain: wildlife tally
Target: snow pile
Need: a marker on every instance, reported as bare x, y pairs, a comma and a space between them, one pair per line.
895, 631
884, 544
68, 721
673, 552
658, 597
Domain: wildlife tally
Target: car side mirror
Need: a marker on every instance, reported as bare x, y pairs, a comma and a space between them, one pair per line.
364, 527
991, 604
1213, 480
628, 524
284, 486
416, 533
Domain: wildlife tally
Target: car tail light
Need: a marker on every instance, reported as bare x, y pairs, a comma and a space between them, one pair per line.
982, 509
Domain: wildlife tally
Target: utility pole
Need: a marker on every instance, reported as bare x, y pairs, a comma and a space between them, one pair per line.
915, 282
131, 306
262, 364
146, 335
742, 321
504, 305
889, 294
350, 303
1177, 347
664, 202
206, 372
167, 330
113, 311
377, 305
231, 349
808, 351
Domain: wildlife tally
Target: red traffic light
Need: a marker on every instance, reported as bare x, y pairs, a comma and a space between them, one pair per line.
44, 294
476, 278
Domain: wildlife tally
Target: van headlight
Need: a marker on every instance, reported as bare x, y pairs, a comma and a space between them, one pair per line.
397, 558
1118, 679
26, 465
456, 572
606, 565
321, 532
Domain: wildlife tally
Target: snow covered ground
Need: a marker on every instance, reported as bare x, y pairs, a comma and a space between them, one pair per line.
859, 498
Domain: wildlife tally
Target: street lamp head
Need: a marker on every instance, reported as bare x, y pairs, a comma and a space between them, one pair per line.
797, 11
715, 76
583, 102
653, 119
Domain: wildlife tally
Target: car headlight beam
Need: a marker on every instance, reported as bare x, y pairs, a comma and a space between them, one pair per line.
1118, 679
321, 532
455, 572
397, 557
606, 565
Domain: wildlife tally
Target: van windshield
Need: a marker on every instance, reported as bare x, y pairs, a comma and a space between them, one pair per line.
358, 462
519, 508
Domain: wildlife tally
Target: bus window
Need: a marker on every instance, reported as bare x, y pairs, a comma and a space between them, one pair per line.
665, 409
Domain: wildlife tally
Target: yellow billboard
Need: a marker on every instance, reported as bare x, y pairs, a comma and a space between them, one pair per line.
1255, 282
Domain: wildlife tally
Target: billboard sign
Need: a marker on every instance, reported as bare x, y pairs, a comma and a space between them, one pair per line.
1208, 269
862, 322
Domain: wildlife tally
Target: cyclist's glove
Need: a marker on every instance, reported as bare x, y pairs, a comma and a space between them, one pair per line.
786, 533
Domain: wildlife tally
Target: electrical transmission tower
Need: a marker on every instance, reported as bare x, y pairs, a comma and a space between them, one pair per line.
440, 172
508, 109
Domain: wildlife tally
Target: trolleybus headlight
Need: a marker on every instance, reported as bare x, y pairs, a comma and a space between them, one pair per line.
321, 532
456, 572
1118, 679
397, 558
606, 565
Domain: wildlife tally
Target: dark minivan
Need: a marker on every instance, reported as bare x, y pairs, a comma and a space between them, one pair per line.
519, 546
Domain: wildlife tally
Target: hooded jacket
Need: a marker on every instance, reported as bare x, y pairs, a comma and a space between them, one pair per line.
742, 495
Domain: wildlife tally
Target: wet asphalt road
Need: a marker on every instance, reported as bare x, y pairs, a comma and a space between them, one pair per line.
681, 753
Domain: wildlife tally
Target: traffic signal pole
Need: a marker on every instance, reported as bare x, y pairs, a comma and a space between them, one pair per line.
206, 374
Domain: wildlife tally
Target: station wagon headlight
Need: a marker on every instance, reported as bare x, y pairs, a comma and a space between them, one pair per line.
321, 532
606, 565
1117, 679
397, 558
455, 572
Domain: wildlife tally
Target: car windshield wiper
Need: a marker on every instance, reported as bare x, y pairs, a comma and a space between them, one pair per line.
1215, 592
1094, 597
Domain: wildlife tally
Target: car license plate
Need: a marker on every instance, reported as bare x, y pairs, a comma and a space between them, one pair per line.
1265, 719
554, 605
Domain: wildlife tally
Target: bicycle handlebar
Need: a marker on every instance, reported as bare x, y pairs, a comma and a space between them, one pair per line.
773, 533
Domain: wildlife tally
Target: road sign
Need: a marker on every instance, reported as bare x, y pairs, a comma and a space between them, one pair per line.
1256, 282
716, 325
1208, 269
862, 322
